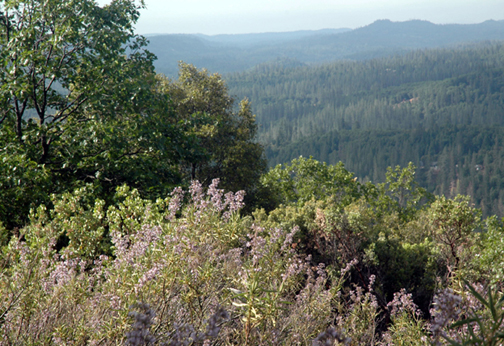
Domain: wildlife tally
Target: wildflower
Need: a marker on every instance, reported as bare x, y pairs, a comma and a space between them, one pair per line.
403, 302
446, 309
140, 330
349, 266
177, 196
216, 196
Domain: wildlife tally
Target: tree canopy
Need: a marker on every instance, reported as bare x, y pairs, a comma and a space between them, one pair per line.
78, 103
440, 109
226, 131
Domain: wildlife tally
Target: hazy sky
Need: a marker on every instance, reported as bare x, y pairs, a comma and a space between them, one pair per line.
253, 16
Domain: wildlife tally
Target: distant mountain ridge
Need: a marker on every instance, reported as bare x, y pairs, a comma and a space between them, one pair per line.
232, 53
268, 38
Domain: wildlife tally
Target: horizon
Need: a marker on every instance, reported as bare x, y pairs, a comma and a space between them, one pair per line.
322, 29
228, 17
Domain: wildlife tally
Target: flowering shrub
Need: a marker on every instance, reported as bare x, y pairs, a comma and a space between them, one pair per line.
190, 270
177, 265
475, 317
407, 326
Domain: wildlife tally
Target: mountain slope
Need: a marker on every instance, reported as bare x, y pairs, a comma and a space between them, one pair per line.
442, 109
231, 53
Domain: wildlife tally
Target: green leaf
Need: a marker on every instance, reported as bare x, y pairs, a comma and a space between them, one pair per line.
476, 294
491, 304
462, 322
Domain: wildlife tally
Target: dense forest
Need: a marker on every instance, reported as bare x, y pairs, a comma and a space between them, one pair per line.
138, 210
442, 109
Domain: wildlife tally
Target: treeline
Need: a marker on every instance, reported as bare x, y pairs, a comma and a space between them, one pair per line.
427, 107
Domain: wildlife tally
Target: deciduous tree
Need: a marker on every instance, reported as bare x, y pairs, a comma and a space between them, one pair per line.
78, 103
225, 132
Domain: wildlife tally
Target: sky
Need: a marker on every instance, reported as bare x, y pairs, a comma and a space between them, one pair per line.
213, 17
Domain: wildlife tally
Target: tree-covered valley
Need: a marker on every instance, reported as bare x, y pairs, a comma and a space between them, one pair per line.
137, 209
441, 109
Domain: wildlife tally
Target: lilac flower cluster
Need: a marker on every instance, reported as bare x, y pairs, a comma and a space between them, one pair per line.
128, 249
198, 198
65, 267
140, 333
295, 266
232, 256
186, 334
316, 278
446, 308
216, 195
258, 248
63, 272
234, 203
358, 298
289, 238
177, 196
403, 303
214, 200
372, 280
349, 266
478, 311
149, 275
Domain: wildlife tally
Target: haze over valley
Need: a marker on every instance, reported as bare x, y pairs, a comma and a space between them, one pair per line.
239, 52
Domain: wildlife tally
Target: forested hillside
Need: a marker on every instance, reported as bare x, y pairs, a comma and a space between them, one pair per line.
234, 53
442, 109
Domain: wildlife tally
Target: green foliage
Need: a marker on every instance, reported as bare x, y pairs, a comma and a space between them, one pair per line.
490, 259
77, 222
130, 211
305, 179
424, 89
206, 256
401, 194
401, 265
441, 109
83, 238
85, 264
454, 222
54, 52
23, 184
80, 105
225, 134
